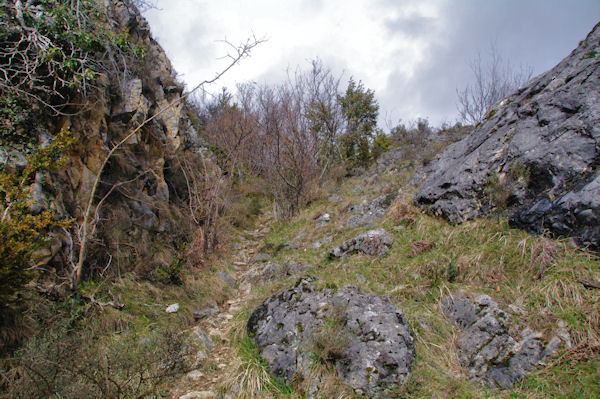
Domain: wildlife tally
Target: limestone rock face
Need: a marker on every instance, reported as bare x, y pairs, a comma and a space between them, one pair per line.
368, 339
538, 148
146, 209
484, 346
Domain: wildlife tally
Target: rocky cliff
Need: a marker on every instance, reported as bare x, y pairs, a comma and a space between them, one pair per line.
536, 155
143, 205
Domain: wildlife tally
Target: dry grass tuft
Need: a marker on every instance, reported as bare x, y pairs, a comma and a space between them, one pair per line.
329, 385
582, 352
401, 212
250, 379
542, 255
195, 255
418, 247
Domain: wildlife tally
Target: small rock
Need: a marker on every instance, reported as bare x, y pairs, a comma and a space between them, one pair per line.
516, 310
206, 312
367, 212
261, 257
400, 227
237, 246
323, 219
562, 324
290, 245
299, 236
565, 337
173, 308
199, 359
319, 243
198, 337
227, 278
194, 375
334, 198
360, 278
373, 242
199, 395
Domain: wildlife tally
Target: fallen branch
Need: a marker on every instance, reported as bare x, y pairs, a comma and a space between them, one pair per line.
112, 304
589, 284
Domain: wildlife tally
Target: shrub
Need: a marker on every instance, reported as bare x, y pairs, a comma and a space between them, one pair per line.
75, 356
23, 232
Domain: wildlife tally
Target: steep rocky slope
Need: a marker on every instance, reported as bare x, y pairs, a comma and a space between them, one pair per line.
144, 190
536, 153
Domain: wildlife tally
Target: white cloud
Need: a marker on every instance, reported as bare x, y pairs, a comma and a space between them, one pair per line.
413, 53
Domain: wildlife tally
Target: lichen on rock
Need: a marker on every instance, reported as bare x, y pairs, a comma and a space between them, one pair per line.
363, 337
548, 128
484, 345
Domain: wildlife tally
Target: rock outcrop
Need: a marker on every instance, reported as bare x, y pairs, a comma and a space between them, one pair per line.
273, 271
369, 211
144, 188
364, 337
484, 346
537, 153
373, 242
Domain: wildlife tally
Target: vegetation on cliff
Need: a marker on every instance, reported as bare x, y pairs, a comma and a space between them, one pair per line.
127, 205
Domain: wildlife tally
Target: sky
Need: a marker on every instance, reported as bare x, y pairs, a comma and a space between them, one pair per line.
414, 54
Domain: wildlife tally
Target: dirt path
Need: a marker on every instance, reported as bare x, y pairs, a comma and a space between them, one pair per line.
203, 383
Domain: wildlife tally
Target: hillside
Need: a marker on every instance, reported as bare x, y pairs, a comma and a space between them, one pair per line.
276, 243
536, 153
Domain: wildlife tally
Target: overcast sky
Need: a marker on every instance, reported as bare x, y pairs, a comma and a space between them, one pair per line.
413, 53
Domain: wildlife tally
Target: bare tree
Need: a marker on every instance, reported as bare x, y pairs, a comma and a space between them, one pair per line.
322, 109
287, 134
493, 79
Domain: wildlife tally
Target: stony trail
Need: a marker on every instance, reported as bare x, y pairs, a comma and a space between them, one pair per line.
203, 383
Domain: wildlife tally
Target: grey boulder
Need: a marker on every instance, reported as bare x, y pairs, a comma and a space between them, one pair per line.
373, 242
484, 346
375, 349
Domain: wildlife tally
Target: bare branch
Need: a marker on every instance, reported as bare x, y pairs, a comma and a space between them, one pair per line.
242, 51
493, 80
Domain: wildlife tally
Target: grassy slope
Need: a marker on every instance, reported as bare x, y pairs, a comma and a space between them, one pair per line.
483, 256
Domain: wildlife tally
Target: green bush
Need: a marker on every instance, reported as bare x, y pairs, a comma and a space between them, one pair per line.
23, 232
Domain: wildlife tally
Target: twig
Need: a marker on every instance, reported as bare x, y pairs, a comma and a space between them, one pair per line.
589, 284
112, 304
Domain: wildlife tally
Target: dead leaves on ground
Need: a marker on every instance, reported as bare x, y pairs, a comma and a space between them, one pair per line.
418, 247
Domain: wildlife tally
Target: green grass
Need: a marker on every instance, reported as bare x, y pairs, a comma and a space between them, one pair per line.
483, 256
